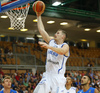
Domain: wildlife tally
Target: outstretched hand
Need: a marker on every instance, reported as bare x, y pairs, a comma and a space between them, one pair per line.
43, 44
39, 13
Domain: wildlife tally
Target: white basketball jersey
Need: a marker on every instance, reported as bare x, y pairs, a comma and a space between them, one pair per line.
55, 63
71, 90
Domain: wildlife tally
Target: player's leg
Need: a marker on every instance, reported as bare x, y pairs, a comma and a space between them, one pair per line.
39, 88
58, 90
58, 84
43, 86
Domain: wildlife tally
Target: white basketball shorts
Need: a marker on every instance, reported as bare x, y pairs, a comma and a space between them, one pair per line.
53, 83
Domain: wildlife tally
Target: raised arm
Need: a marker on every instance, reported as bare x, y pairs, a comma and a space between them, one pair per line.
41, 29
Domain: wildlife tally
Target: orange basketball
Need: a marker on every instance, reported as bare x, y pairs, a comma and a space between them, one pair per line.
39, 6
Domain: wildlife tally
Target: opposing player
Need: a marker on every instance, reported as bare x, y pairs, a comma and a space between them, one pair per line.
69, 88
7, 81
85, 82
57, 54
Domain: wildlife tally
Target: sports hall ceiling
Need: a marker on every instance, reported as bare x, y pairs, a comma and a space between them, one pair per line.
79, 14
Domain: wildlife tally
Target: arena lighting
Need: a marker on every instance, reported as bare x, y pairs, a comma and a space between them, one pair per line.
87, 29
35, 20
83, 40
39, 36
56, 3
30, 38
23, 30
4, 16
63, 23
50, 22
2, 35
98, 31
10, 28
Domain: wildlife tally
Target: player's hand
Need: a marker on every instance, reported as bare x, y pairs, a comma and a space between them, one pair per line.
43, 44
38, 13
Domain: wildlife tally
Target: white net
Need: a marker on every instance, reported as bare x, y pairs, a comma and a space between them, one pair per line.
17, 17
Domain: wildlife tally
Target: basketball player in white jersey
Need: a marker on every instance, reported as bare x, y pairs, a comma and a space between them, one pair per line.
69, 88
53, 79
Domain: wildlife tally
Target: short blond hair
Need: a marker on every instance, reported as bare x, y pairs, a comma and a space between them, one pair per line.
7, 77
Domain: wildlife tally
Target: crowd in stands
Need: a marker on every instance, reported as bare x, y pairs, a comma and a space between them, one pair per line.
26, 82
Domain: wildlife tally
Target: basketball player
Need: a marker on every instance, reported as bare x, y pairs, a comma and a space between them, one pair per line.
57, 54
69, 88
85, 82
7, 85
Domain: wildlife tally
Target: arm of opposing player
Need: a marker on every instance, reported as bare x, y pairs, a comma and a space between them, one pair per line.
41, 28
62, 51
96, 91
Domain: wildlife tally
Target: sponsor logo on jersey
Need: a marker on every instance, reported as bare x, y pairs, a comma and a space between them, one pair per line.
90, 91
53, 53
53, 62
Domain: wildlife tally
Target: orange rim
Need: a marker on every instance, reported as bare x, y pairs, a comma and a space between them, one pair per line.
22, 7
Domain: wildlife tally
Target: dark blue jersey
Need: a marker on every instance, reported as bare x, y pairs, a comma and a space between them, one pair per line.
90, 90
11, 91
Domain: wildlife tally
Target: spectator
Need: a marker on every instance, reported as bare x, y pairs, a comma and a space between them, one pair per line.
74, 84
6, 50
27, 75
13, 82
20, 82
20, 90
1, 84
13, 77
82, 74
15, 86
32, 75
78, 82
3, 55
15, 73
27, 72
79, 76
72, 73
1, 72
37, 46
19, 43
25, 82
89, 64
36, 39
24, 89
10, 54
91, 74
30, 85
34, 85
93, 83
18, 76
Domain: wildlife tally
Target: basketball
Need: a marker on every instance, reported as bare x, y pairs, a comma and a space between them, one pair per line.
39, 6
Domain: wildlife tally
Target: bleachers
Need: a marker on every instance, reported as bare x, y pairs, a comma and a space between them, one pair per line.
78, 57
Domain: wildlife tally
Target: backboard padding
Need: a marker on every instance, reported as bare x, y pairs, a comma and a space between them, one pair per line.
11, 4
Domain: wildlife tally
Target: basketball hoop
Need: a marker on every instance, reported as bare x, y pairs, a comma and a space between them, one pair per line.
17, 16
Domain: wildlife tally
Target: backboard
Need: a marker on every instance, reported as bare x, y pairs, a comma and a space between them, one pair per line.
6, 5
